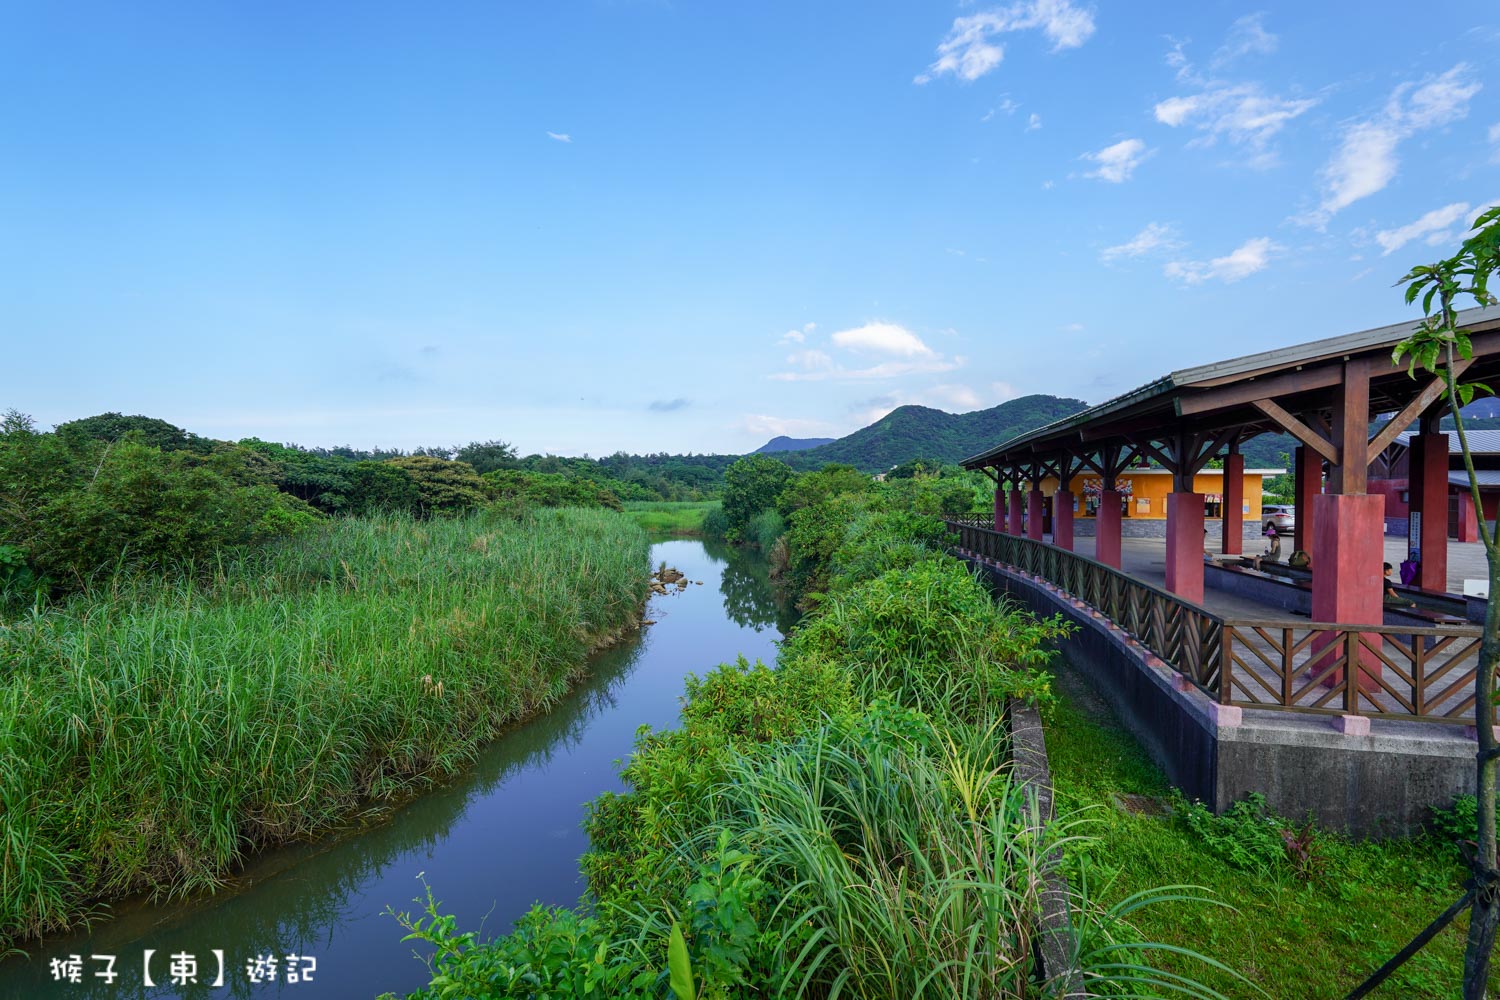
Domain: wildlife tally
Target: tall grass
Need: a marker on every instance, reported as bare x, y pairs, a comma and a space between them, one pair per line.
671, 517
154, 732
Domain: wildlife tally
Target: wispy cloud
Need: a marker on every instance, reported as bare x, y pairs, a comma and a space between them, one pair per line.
1034, 122
913, 356
1435, 227
1241, 113
1366, 159
1005, 107
763, 423
1155, 237
1247, 36
560, 136
969, 50
1250, 257
669, 405
1118, 162
797, 336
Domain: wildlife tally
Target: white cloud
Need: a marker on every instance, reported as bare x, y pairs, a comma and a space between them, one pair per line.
792, 337
1247, 36
1071, 328
1156, 236
1118, 162
1241, 113
884, 370
560, 136
1366, 159
761, 423
883, 338
1254, 255
811, 360
1034, 122
1435, 222
968, 51
1006, 106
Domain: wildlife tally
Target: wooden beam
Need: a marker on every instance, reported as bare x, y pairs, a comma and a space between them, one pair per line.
1351, 431
1240, 393
1401, 421
1145, 447
1298, 429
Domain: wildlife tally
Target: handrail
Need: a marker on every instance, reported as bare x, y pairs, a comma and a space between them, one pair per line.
1398, 671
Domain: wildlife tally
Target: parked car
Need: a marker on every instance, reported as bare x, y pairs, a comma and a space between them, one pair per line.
1282, 516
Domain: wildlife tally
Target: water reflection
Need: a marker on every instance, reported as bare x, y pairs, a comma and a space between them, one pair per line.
751, 599
491, 843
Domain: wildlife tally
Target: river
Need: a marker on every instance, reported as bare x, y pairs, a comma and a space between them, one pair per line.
492, 842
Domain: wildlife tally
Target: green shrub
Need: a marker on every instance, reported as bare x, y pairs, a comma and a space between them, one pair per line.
715, 523
765, 528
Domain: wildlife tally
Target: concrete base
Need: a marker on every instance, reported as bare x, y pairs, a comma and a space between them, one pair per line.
1378, 784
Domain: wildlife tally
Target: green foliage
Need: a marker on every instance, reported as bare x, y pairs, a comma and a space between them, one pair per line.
111, 427
548, 489
751, 485
79, 507
1246, 835
765, 529
487, 456
1459, 823
443, 486
716, 523
811, 488
664, 517
155, 731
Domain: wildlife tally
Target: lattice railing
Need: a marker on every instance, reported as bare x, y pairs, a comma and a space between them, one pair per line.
1401, 672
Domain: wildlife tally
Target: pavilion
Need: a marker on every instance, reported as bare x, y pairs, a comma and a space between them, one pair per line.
1327, 394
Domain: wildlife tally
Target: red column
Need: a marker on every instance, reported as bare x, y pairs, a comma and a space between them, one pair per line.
1034, 514
1107, 529
1429, 494
1015, 511
1307, 473
1468, 522
1233, 541
1062, 519
1185, 545
1347, 568
999, 508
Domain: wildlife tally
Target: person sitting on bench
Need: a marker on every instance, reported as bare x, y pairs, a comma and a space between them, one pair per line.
1389, 594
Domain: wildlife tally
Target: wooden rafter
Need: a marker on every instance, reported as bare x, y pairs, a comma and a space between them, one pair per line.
1401, 421
1298, 429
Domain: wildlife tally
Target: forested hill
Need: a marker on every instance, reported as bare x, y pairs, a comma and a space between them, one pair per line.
909, 432
784, 443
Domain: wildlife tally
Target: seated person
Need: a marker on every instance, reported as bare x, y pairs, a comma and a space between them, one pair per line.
1389, 594
1274, 552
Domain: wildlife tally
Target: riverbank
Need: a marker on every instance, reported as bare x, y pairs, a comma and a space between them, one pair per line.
671, 518
153, 733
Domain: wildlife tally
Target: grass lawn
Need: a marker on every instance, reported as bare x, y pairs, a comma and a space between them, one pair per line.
1292, 938
670, 518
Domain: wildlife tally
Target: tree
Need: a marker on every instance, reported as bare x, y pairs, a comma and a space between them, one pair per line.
751, 485
444, 487
1436, 345
487, 456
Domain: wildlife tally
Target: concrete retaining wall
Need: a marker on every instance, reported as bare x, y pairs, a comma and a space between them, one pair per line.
1380, 784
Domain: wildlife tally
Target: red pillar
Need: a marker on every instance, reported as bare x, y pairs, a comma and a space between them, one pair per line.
1062, 519
1347, 568
1034, 504
1015, 511
1233, 541
1185, 545
1468, 522
999, 508
1107, 529
1307, 474
1429, 494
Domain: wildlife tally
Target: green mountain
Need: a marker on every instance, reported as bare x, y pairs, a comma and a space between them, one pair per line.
909, 432
784, 443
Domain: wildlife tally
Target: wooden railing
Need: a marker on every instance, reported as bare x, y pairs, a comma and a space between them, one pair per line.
1425, 674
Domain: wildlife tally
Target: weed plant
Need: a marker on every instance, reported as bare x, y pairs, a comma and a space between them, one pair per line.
155, 731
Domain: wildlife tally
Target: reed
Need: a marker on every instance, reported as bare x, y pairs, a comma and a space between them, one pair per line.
153, 732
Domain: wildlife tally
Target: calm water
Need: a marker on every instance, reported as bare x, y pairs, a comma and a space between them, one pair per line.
491, 843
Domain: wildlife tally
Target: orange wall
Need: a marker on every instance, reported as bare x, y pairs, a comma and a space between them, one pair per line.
1154, 487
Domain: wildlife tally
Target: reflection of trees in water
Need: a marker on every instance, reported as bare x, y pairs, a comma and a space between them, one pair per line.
299, 913
751, 600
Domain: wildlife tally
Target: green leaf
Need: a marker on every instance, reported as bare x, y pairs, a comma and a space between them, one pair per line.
679, 966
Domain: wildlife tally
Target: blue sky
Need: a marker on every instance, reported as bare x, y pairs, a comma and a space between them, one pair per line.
591, 226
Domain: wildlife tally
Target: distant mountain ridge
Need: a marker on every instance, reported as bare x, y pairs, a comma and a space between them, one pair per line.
909, 432
784, 443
